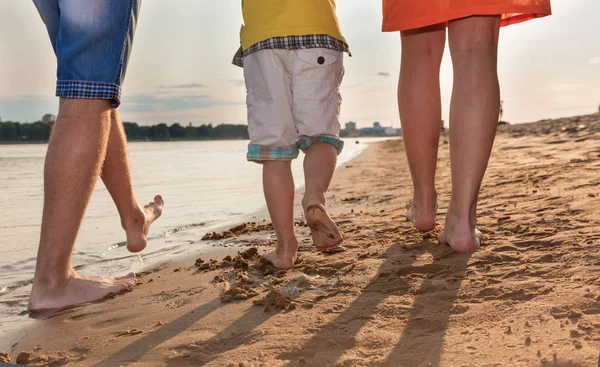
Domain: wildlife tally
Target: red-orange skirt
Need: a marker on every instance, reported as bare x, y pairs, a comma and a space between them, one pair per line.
400, 15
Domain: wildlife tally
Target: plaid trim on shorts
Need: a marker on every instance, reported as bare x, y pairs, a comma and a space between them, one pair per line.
305, 142
259, 153
88, 90
292, 43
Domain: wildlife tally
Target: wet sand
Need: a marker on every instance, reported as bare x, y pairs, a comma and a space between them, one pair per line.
392, 296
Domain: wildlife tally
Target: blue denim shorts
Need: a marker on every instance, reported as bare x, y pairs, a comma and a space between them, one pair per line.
92, 41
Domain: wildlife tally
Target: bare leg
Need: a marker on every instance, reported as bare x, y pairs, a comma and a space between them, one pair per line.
420, 112
473, 121
136, 220
278, 186
73, 162
319, 165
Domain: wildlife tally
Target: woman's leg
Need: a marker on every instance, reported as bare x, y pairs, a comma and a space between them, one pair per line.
473, 120
420, 113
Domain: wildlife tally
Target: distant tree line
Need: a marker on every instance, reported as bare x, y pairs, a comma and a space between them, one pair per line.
178, 132
40, 132
15, 131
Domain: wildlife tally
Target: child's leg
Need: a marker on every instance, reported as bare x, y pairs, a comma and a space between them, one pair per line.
319, 165
278, 186
473, 121
273, 143
317, 77
420, 113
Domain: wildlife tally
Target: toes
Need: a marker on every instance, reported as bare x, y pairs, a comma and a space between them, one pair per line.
158, 202
128, 283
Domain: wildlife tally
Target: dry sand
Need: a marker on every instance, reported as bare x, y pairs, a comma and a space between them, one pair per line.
393, 297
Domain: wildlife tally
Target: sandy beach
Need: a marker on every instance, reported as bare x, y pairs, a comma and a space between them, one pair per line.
392, 296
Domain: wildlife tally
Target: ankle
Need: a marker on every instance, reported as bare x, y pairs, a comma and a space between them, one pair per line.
134, 219
53, 280
425, 197
287, 245
461, 216
311, 198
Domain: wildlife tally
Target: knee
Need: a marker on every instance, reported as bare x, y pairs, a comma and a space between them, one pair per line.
423, 47
426, 52
473, 50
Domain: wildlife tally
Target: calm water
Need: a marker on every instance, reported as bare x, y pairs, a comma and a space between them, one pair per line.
206, 185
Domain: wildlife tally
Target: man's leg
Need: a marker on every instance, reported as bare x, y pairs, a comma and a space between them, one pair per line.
73, 162
79, 142
135, 219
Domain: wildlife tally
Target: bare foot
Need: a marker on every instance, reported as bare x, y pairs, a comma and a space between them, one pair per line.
423, 219
325, 233
137, 229
461, 238
283, 257
78, 289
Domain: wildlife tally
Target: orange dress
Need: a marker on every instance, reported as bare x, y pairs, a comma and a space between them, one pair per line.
400, 15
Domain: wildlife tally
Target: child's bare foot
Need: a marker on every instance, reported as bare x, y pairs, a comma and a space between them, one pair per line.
77, 289
422, 216
460, 235
283, 257
325, 233
137, 229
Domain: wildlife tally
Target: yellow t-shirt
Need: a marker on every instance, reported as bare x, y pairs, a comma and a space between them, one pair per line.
265, 19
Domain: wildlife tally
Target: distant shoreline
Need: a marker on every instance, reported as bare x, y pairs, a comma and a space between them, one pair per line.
171, 140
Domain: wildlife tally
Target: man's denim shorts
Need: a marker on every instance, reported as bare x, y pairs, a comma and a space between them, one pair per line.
92, 40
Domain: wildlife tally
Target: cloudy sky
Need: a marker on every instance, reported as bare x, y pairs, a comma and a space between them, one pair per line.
180, 69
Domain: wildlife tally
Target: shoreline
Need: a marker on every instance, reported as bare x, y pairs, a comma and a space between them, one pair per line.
217, 248
529, 297
171, 238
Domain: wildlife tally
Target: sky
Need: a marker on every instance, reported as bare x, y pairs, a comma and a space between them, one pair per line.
180, 68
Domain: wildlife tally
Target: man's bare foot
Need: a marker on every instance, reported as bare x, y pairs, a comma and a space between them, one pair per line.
422, 217
76, 290
283, 257
137, 228
325, 233
460, 236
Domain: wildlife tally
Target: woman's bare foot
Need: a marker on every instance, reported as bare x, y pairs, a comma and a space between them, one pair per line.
325, 233
423, 217
460, 234
137, 228
283, 257
76, 290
